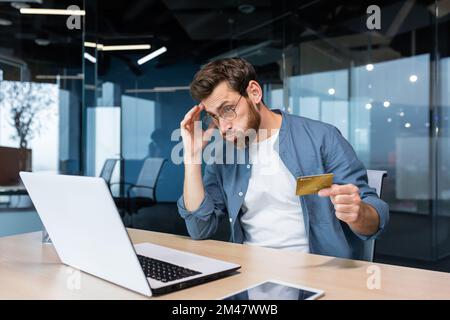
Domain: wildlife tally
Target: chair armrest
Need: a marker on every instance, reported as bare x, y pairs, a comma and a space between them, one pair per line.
141, 187
121, 184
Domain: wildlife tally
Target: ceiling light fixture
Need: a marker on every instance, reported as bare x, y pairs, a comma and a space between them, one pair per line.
102, 47
158, 89
5, 22
64, 12
42, 41
90, 44
246, 8
152, 55
90, 57
126, 47
59, 76
413, 78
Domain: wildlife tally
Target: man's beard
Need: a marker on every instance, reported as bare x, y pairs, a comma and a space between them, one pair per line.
244, 139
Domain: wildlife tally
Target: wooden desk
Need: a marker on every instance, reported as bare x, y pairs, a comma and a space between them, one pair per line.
31, 270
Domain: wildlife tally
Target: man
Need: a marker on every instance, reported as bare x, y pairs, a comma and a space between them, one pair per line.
261, 204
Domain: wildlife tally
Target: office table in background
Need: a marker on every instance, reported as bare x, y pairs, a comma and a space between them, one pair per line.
13, 190
31, 270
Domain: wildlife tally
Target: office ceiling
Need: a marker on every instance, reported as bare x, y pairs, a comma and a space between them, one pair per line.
202, 29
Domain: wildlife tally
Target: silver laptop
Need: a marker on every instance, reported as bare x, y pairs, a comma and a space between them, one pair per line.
88, 234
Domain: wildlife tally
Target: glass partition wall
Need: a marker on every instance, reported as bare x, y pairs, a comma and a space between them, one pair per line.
41, 78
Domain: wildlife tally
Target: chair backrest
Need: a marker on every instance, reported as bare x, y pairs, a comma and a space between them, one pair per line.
375, 180
108, 169
148, 177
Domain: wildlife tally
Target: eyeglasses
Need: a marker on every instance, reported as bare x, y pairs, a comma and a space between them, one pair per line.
227, 113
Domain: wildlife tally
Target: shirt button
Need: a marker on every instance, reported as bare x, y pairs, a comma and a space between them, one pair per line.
240, 194
248, 166
231, 220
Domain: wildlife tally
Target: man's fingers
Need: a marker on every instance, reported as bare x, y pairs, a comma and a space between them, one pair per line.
185, 123
190, 116
196, 116
326, 192
191, 112
346, 208
345, 199
336, 189
346, 189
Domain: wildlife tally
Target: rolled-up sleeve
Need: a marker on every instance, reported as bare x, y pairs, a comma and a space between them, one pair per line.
348, 169
382, 209
203, 222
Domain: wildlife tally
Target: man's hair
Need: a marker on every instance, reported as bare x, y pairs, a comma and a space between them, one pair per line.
236, 71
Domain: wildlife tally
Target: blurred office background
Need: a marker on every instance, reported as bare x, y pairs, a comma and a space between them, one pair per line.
70, 101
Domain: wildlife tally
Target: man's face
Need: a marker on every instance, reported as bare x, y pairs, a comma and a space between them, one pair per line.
247, 117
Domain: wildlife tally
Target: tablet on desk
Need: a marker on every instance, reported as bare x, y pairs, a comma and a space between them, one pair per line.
275, 290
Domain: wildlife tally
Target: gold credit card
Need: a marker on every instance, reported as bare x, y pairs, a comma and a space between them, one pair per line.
312, 184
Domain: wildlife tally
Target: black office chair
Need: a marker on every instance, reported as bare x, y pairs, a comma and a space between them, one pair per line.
143, 193
107, 170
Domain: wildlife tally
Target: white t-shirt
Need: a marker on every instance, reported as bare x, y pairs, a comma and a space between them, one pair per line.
274, 215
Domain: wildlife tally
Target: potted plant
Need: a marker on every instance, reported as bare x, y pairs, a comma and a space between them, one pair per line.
23, 102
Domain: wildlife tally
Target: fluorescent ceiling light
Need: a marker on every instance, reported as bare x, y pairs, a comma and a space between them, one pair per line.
127, 47
42, 41
64, 12
102, 47
413, 78
59, 76
90, 57
5, 22
158, 89
152, 55
90, 44
174, 88
246, 8
99, 46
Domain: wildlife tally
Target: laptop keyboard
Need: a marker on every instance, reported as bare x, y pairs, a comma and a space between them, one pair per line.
164, 271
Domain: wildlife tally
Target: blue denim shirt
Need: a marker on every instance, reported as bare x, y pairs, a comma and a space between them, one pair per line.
306, 147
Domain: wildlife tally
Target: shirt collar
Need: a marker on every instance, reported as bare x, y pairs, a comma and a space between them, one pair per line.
284, 125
